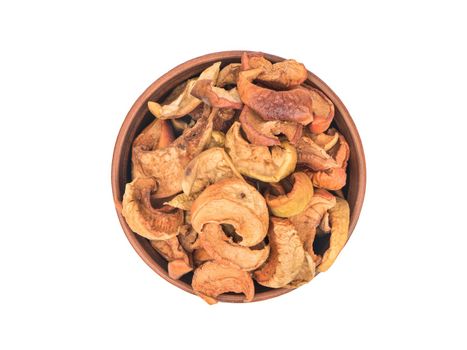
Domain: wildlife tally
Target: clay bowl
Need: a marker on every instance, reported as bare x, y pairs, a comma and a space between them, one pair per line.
139, 117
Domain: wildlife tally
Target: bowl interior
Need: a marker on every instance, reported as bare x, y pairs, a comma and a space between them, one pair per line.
139, 117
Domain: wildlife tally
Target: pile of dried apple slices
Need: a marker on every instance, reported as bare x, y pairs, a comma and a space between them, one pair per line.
238, 179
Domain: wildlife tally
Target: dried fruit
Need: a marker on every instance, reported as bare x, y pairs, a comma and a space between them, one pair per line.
339, 218
223, 119
228, 75
259, 162
334, 178
286, 257
294, 202
207, 168
181, 201
217, 139
204, 198
172, 251
261, 132
200, 256
188, 238
167, 164
323, 111
185, 102
212, 279
156, 135
281, 75
314, 156
223, 250
325, 140
216, 96
308, 220
292, 105
306, 274
255, 60
232, 201
149, 222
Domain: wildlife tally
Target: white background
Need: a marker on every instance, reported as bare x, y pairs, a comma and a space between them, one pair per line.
70, 72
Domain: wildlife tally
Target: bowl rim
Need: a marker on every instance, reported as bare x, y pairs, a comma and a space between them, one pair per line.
141, 101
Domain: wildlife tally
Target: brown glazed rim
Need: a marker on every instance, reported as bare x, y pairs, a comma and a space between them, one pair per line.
167, 82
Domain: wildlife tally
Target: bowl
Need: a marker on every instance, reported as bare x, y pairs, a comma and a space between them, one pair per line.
139, 117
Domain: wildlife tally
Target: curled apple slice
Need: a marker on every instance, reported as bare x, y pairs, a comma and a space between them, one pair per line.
306, 274
314, 156
200, 256
232, 201
223, 119
255, 60
280, 75
143, 218
228, 75
185, 102
295, 201
212, 279
326, 140
261, 132
292, 105
217, 139
188, 238
339, 218
167, 164
336, 177
223, 250
308, 220
156, 135
215, 96
286, 257
323, 111
207, 168
259, 162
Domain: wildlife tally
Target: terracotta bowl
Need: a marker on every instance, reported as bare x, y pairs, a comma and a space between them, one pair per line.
139, 117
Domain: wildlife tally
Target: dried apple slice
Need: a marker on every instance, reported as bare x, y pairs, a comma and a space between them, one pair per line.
228, 75
295, 201
292, 105
314, 156
286, 257
331, 179
255, 60
207, 168
215, 96
200, 256
336, 177
323, 111
306, 274
188, 238
259, 162
281, 75
212, 279
167, 164
339, 218
156, 135
233, 201
308, 220
172, 251
143, 219
224, 119
325, 140
223, 250
181, 201
261, 132
217, 139
185, 102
